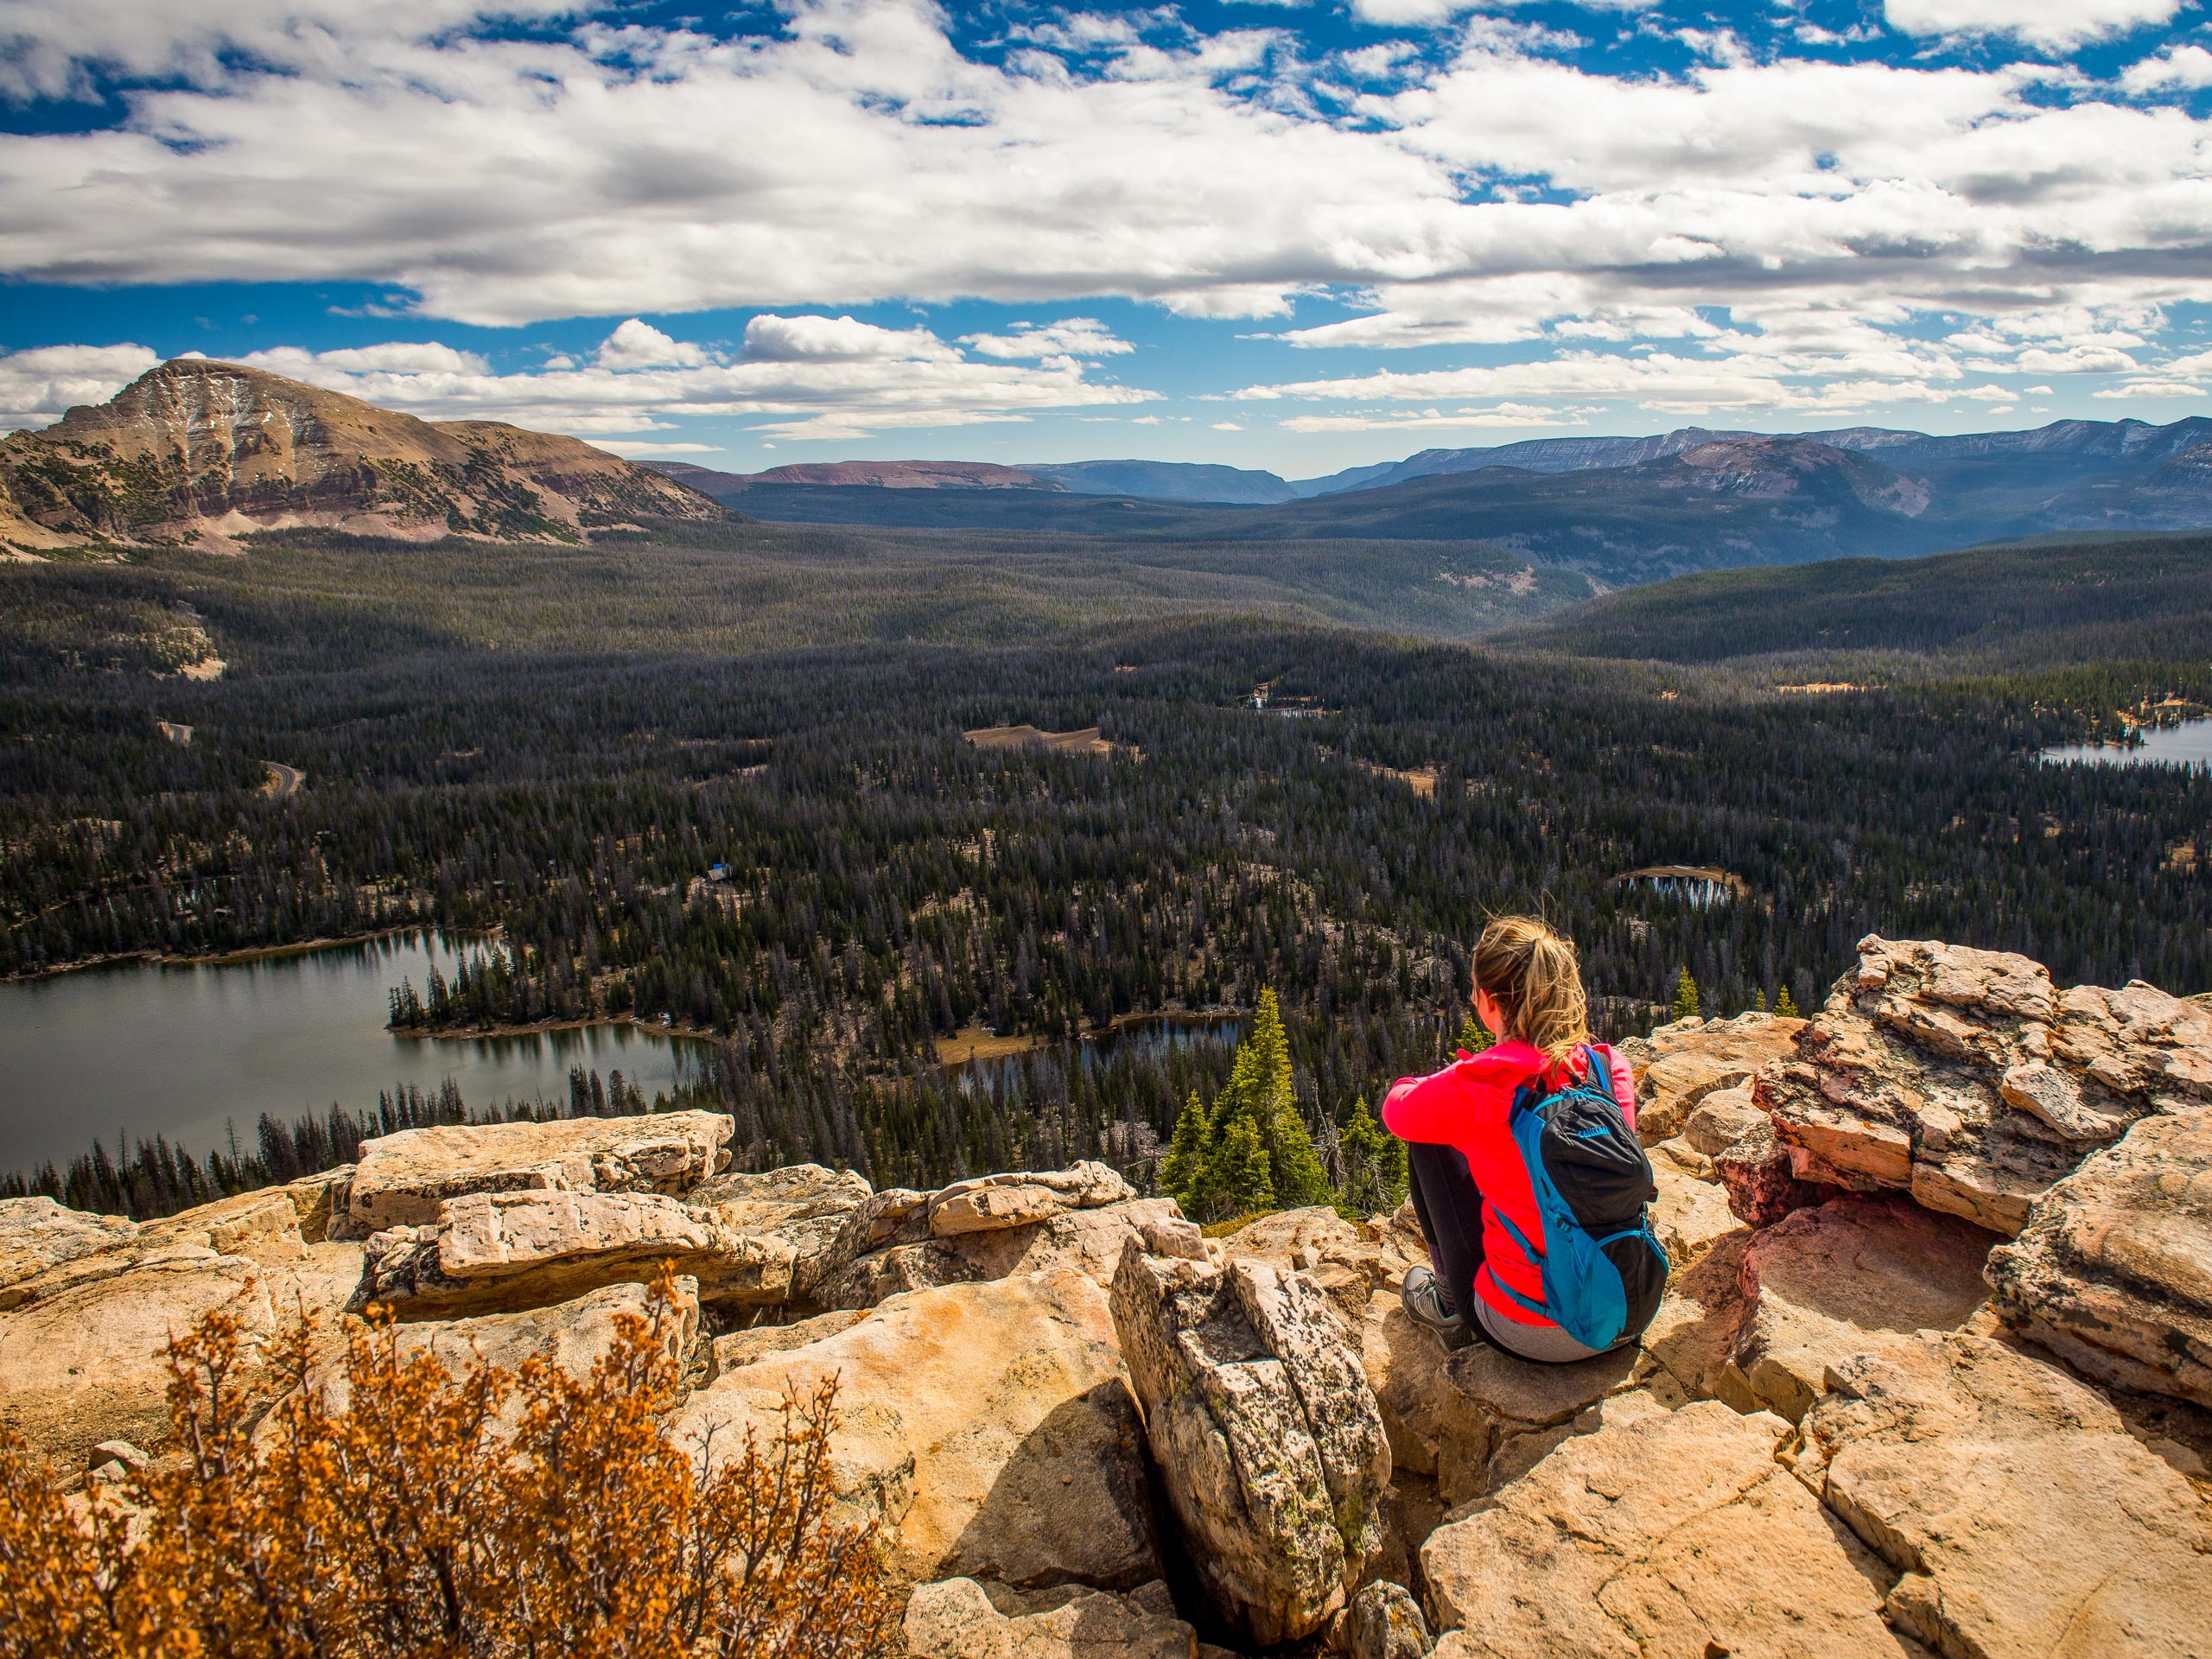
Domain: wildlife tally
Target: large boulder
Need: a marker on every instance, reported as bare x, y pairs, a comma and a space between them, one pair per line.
1677, 1067
1385, 1622
2113, 1270
992, 1226
1967, 1079
1691, 1213
503, 1252
37, 1234
1459, 1418
1669, 1533
2021, 1514
82, 1344
1265, 1432
401, 1179
573, 1336
962, 1619
989, 1427
1347, 1262
804, 1206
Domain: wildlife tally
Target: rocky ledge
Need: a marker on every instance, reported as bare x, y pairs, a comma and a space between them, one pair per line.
1937, 1383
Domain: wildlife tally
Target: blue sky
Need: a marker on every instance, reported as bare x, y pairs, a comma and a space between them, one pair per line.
1295, 236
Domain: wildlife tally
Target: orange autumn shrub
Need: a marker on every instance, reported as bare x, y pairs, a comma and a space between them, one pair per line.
411, 1514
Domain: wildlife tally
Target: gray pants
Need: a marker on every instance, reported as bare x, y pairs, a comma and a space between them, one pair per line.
1544, 1342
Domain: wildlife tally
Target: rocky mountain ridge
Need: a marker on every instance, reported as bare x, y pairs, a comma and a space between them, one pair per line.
1931, 1375
197, 451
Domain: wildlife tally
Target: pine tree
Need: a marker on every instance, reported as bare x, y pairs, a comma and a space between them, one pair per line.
1759, 1000
1375, 1164
1686, 998
1239, 1183
1474, 1036
1295, 1168
1785, 1005
1183, 1171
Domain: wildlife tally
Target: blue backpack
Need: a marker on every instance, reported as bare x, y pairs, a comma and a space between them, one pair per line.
1604, 1269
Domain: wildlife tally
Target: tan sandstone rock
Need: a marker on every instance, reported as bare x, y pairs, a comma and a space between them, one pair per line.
2022, 1517
991, 1227
1672, 1535
1385, 1622
2114, 1271
573, 1335
1825, 1284
1691, 1213
38, 1234
402, 1178
1692, 1338
1264, 1431
805, 1205
502, 1252
1346, 1261
81, 1343
741, 1348
1678, 1066
1966, 1078
989, 1426
1723, 1118
962, 1619
1453, 1416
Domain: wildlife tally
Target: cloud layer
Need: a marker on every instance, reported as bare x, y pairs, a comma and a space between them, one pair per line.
1777, 227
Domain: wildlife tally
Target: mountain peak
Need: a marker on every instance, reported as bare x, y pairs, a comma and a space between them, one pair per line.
198, 451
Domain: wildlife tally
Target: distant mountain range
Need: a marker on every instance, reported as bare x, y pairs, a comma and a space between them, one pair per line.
200, 451
1158, 480
1625, 510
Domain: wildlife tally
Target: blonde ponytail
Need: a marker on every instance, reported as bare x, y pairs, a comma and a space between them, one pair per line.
1533, 975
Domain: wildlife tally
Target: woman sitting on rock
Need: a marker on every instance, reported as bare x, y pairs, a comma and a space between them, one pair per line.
1526, 1174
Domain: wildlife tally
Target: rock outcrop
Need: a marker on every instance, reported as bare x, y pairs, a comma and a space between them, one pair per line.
1674, 1533
401, 1179
962, 1619
1024, 1220
2113, 1270
81, 1342
989, 1427
1825, 1284
1967, 1079
1385, 1622
1346, 1261
1453, 1416
38, 1234
2019, 1515
1265, 1433
196, 449
492, 1250
1678, 1066
573, 1336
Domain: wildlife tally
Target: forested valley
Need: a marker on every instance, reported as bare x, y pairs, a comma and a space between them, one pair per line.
791, 849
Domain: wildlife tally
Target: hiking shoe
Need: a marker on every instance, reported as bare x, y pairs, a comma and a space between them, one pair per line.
1423, 1300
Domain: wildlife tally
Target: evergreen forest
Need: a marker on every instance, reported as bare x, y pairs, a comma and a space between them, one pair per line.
723, 787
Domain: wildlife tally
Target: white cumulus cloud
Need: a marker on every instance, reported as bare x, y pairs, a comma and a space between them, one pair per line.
638, 345
2042, 22
39, 386
1075, 337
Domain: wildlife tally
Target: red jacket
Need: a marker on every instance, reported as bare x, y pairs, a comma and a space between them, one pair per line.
1467, 1105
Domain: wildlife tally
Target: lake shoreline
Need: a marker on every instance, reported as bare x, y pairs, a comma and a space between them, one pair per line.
544, 1027
222, 958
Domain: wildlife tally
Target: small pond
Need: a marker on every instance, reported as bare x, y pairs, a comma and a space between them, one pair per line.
146, 1048
2188, 743
1140, 1040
